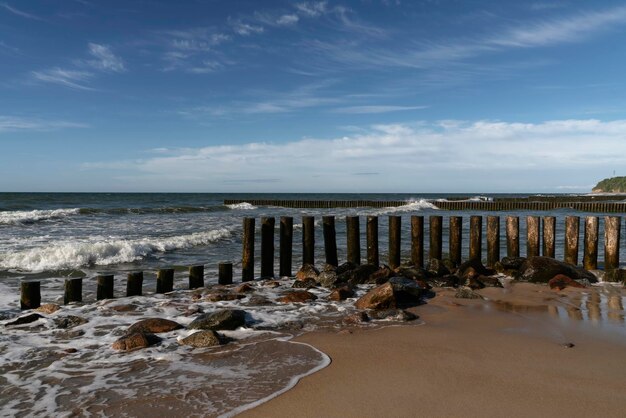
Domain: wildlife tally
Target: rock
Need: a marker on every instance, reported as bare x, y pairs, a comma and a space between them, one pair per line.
227, 319
473, 268
307, 271
124, 308
413, 273
258, 300
489, 281
561, 281
356, 318
200, 339
450, 265
48, 308
270, 283
328, 279
135, 341
70, 350
451, 280
153, 326
347, 266
512, 263
465, 292
329, 267
393, 314
304, 284
381, 275
244, 288
437, 268
398, 291
26, 319
542, 269
359, 275
297, 296
341, 293
193, 310
568, 345
220, 296
69, 321
474, 283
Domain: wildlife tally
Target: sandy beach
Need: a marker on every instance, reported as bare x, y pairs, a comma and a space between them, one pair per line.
509, 356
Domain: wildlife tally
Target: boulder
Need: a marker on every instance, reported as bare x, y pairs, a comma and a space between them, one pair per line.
154, 326
437, 268
227, 319
393, 315
26, 319
489, 281
259, 300
347, 266
465, 292
561, 281
341, 293
135, 341
359, 275
356, 318
48, 308
381, 275
328, 279
220, 296
542, 269
244, 288
451, 280
473, 267
304, 284
297, 296
271, 284
397, 292
413, 273
124, 308
512, 263
307, 271
201, 339
69, 321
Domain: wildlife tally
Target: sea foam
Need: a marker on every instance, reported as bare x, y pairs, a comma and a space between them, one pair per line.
30, 216
410, 206
100, 251
242, 206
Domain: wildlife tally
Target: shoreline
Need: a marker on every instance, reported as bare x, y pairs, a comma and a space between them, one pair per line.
465, 360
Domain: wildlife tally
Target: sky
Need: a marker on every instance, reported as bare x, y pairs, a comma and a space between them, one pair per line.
448, 96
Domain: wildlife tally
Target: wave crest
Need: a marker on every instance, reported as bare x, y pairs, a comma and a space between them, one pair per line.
410, 206
18, 217
242, 206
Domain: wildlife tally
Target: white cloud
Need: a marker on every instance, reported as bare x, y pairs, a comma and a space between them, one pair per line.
460, 153
105, 59
69, 78
15, 123
286, 20
375, 109
311, 8
246, 29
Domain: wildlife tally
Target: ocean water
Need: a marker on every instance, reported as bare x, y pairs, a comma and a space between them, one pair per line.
47, 371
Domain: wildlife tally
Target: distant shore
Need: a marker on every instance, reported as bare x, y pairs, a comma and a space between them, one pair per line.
471, 358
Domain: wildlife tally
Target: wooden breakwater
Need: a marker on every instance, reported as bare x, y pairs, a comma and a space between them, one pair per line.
501, 204
540, 236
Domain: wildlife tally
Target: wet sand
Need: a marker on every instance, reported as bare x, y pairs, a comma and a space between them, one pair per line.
504, 357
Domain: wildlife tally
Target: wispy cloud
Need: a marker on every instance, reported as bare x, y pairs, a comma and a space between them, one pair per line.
312, 8
19, 12
104, 59
375, 109
287, 19
74, 79
505, 149
192, 50
15, 123
246, 29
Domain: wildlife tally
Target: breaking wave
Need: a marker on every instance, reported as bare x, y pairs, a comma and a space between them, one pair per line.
31, 216
242, 206
410, 206
73, 254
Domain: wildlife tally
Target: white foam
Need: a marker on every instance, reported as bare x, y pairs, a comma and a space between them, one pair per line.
410, 206
24, 217
242, 206
101, 251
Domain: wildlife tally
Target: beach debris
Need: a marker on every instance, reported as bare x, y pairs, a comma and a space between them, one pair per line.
542, 269
26, 319
356, 318
466, 292
307, 271
223, 319
135, 341
568, 345
201, 339
398, 291
561, 281
154, 326
297, 296
341, 293
304, 284
48, 308
69, 321
393, 314
244, 288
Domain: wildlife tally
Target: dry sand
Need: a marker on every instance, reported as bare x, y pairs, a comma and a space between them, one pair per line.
471, 358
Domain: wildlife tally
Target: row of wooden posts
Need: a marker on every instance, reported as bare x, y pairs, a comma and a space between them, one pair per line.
534, 233
31, 294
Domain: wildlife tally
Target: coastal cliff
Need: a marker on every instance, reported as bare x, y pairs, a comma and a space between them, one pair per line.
611, 185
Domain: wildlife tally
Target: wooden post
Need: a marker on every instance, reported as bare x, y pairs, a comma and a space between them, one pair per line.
247, 258
417, 240
590, 256
330, 240
493, 240
196, 276
549, 231
286, 242
372, 241
456, 231
611, 242
395, 223
572, 226
267, 247
165, 280
532, 236
104, 286
476, 237
134, 283
225, 273
435, 235
308, 240
354, 239
30, 297
73, 290
512, 236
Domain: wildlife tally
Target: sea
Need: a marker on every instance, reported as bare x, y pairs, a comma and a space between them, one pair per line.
47, 370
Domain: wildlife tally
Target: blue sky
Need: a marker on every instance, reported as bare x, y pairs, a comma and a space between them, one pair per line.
311, 96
